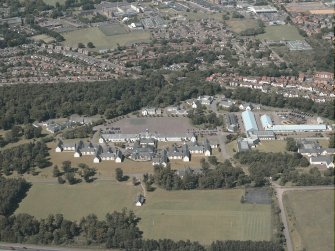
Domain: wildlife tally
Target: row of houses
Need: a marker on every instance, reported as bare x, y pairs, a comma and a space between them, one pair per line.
100, 154
183, 153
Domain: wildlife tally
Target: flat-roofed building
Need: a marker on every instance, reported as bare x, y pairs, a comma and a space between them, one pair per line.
297, 128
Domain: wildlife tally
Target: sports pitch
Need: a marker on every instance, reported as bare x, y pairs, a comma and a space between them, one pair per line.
199, 215
101, 40
280, 32
204, 216
114, 29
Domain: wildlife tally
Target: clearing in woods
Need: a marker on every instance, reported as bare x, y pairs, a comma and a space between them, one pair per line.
311, 219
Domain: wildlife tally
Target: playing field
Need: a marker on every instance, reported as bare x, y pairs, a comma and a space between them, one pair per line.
114, 29
239, 25
196, 215
101, 41
280, 32
78, 200
203, 216
311, 219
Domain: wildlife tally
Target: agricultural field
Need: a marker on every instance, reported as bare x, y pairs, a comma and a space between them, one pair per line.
47, 39
239, 25
196, 215
311, 219
280, 32
78, 200
101, 41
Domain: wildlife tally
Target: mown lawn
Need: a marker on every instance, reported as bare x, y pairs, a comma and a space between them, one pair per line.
204, 216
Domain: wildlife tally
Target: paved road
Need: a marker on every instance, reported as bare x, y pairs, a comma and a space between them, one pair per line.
279, 194
222, 135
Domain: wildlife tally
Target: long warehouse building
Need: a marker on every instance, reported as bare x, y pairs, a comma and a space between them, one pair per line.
249, 121
297, 128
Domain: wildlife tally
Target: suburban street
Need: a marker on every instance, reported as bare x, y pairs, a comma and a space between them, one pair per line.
280, 190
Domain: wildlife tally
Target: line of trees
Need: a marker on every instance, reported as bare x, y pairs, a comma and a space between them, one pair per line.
24, 158
220, 175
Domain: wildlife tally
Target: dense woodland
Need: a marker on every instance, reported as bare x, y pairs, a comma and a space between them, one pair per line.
12, 192
24, 158
113, 98
276, 165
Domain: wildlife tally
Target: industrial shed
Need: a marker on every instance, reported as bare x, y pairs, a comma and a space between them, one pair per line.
266, 121
249, 121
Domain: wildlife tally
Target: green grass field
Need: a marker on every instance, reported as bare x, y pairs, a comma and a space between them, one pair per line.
280, 32
204, 216
274, 146
238, 25
101, 41
196, 215
78, 200
115, 29
311, 219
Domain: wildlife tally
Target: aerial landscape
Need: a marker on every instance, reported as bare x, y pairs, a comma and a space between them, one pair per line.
167, 125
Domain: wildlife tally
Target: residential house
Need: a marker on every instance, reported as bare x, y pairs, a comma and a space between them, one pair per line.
322, 160
246, 106
161, 159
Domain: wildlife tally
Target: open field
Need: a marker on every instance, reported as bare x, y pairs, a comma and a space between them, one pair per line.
160, 125
203, 216
47, 39
196, 215
274, 146
78, 200
311, 219
238, 25
114, 29
280, 32
101, 41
